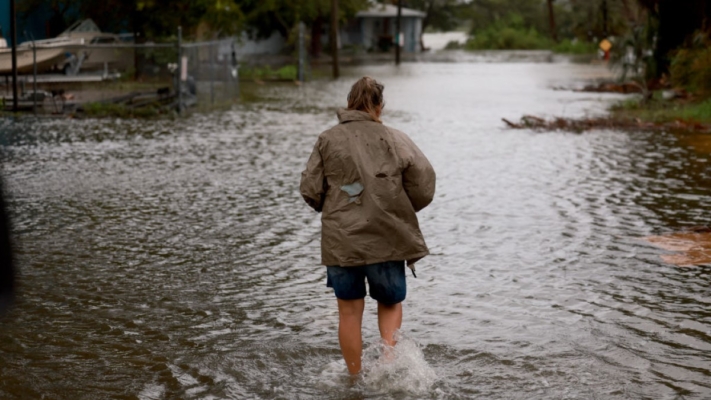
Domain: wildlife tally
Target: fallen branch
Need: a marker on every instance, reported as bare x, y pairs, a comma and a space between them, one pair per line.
586, 124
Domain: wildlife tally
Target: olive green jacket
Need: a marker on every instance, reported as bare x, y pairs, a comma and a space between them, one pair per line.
368, 180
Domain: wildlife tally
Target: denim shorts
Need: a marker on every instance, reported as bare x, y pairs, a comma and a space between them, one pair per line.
386, 281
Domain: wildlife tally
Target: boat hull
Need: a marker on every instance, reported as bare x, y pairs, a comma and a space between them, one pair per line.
47, 58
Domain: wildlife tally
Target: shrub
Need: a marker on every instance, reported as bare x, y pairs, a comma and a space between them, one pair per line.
691, 65
288, 72
509, 33
508, 38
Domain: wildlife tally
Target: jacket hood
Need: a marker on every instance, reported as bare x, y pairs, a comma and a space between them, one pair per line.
346, 115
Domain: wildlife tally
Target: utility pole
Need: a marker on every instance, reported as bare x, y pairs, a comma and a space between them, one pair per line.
13, 41
605, 31
334, 37
302, 52
551, 20
398, 28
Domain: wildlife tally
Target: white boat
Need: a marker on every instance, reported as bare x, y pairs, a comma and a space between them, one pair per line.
61, 53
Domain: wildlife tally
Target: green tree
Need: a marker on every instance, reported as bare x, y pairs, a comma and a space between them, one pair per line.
531, 13
60, 13
151, 19
223, 17
587, 20
676, 20
266, 16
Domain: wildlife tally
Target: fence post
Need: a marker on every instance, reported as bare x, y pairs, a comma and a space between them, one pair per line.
13, 43
301, 52
334, 38
34, 77
224, 79
235, 65
179, 76
398, 27
212, 72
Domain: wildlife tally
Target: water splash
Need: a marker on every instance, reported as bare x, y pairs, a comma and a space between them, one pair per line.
401, 368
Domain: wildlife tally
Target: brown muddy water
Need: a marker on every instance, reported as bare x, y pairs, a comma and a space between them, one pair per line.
176, 259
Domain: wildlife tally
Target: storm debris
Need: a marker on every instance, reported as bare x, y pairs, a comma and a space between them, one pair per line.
587, 124
692, 247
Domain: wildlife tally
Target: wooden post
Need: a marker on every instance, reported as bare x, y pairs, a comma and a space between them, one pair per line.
179, 70
302, 52
398, 28
13, 43
212, 73
34, 76
334, 37
551, 20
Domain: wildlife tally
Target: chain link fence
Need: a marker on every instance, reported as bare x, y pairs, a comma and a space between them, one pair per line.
210, 71
98, 76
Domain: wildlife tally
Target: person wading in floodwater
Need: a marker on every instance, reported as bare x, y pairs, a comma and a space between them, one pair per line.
368, 181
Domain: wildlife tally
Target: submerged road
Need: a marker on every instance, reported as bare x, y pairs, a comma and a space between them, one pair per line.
176, 259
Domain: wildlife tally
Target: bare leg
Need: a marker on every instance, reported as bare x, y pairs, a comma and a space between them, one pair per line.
350, 314
389, 321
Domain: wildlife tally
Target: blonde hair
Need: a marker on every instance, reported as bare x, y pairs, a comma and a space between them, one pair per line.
367, 95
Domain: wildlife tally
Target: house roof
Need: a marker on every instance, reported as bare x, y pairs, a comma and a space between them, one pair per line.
388, 11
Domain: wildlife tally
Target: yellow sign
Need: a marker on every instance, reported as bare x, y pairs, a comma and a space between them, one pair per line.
605, 45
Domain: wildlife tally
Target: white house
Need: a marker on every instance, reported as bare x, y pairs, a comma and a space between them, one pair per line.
374, 28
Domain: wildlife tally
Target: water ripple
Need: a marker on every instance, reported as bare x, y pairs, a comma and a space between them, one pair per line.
175, 259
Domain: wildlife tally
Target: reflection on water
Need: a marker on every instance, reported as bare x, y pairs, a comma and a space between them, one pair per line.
176, 259
694, 248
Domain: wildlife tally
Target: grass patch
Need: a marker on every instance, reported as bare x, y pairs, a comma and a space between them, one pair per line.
285, 73
568, 46
100, 110
662, 111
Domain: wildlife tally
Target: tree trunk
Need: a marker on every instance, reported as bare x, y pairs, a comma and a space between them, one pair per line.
398, 28
630, 14
316, 29
677, 20
605, 17
334, 37
425, 24
551, 21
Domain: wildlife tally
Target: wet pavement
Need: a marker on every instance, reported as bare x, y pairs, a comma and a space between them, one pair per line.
175, 259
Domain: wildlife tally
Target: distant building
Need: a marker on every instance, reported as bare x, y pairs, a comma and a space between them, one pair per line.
374, 28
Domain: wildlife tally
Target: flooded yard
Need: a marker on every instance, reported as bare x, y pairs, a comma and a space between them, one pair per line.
175, 259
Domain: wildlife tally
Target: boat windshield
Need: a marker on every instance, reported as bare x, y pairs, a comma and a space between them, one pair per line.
86, 25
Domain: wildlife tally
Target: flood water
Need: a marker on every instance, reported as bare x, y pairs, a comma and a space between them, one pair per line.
176, 259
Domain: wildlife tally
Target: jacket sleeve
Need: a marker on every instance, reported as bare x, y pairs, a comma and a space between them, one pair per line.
418, 176
313, 181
